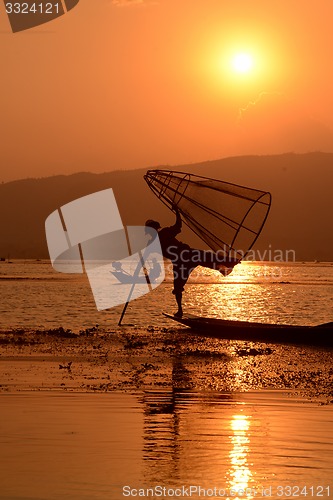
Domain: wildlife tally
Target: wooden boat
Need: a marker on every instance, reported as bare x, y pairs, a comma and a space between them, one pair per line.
320, 335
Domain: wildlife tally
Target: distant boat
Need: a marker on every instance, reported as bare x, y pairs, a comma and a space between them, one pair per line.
2, 259
128, 278
148, 277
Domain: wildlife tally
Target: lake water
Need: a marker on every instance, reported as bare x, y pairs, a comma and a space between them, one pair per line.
33, 295
110, 446
84, 446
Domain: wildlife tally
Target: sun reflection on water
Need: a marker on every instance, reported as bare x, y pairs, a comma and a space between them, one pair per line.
239, 474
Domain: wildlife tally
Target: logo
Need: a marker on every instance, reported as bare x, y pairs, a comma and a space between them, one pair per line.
87, 235
27, 14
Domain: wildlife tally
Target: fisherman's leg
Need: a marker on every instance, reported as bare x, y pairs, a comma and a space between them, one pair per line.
179, 298
178, 293
181, 274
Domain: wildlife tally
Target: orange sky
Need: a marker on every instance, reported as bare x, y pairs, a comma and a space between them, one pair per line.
129, 83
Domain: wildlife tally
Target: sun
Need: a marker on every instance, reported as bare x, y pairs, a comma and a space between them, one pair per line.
242, 62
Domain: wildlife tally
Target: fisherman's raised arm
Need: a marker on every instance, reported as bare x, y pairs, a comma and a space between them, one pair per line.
178, 224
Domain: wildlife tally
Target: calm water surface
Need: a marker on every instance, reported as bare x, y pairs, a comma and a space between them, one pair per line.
34, 295
89, 446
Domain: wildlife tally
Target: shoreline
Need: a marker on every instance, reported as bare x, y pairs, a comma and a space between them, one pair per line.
130, 358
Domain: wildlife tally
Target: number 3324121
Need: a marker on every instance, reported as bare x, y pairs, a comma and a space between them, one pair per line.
35, 8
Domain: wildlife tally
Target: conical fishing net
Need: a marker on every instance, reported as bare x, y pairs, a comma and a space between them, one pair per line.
227, 217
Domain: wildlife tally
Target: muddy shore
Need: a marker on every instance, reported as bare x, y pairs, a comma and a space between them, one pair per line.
129, 358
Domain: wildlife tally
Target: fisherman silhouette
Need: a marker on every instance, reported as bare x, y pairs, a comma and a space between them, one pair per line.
184, 258
118, 267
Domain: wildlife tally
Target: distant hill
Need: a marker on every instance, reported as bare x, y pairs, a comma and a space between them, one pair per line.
300, 218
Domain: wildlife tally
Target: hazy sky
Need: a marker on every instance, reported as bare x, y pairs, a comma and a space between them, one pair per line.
129, 83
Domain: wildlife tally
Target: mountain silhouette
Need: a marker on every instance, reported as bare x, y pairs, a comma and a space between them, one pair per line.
300, 217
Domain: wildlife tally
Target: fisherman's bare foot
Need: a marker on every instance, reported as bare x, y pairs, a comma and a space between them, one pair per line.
179, 313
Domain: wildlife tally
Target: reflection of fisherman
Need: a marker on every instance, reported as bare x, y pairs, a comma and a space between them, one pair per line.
185, 259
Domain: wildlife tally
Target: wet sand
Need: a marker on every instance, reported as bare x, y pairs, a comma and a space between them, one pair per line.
131, 358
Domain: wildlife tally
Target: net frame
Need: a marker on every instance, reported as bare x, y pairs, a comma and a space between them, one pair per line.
176, 183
